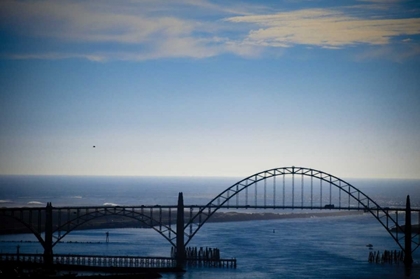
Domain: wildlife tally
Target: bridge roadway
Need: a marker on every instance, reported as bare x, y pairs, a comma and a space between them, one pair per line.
5, 210
279, 188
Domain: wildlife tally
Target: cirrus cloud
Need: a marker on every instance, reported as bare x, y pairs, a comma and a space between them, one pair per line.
142, 30
323, 28
123, 31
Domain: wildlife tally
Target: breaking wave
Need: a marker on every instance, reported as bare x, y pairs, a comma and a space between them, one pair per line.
5, 201
110, 204
35, 202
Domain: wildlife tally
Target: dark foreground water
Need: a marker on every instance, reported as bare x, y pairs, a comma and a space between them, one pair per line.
332, 247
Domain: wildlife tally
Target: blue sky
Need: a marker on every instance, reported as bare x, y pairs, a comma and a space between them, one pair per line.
210, 88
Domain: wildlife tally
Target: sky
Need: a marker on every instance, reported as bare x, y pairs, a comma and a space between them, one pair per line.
210, 87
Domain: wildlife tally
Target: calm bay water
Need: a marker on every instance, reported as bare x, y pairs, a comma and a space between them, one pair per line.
332, 247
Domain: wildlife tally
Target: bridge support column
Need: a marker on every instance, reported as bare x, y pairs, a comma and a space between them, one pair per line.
408, 258
48, 253
180, 246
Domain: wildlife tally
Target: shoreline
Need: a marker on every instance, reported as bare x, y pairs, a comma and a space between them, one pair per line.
253, 216
13, 227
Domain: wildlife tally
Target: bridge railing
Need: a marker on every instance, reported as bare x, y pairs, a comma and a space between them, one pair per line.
94, 260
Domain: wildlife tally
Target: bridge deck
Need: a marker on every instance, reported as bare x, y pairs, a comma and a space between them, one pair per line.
234, 206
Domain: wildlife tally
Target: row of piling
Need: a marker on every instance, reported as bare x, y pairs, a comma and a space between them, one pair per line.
386, 257
201, 253
205, 257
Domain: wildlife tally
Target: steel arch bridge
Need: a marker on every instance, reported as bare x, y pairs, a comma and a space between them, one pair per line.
278, 188
333, 193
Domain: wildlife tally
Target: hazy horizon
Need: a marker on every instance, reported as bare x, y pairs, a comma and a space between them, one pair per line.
347, 179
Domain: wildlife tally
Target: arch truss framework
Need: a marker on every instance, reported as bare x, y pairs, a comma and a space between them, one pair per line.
67, 219
299, 188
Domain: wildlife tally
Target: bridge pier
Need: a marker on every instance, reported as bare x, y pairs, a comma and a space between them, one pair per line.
180, 244
48, 238
408, 258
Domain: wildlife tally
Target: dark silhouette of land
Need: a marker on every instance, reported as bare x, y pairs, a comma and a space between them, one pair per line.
11, 226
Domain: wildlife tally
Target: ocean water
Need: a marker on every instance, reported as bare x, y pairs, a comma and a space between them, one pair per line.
16, 191
328, 247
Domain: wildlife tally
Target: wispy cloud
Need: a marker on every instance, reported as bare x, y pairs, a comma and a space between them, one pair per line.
90, 21
127, 30
400, 53
152, 29
323, 28
55, 56
383, 1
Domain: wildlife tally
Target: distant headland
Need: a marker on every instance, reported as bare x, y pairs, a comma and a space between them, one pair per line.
11, 226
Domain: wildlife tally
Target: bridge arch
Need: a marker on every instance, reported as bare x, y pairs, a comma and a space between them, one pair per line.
31, 228
162, 228
62, 230
356, 199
